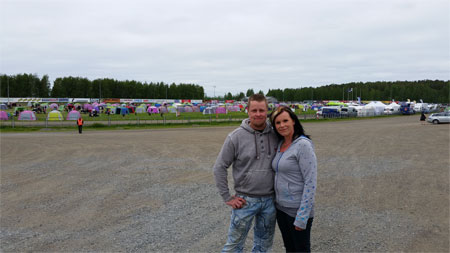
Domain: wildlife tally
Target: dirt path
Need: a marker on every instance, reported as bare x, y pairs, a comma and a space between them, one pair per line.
383, 185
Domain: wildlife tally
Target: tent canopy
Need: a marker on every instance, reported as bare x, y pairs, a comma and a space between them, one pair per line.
54, 115
27, 115
73, 115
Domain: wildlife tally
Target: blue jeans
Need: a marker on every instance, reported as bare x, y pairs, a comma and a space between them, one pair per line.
263, 210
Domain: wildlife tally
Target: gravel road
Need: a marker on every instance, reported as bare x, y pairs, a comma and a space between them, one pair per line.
383, 185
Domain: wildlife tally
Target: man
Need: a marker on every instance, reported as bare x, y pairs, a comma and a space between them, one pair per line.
80, 123
250, 149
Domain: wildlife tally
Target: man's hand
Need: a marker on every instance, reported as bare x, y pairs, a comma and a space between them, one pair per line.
298, 228
236, 202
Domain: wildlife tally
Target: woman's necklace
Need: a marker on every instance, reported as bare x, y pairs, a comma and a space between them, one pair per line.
285, 146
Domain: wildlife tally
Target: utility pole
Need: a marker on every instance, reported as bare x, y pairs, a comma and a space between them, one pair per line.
7, 81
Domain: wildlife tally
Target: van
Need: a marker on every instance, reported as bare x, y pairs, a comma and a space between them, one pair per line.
331, 112
348, 111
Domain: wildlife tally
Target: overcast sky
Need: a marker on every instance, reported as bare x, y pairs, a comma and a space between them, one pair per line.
232, 45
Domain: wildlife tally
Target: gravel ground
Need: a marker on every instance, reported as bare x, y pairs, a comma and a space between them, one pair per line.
383, 185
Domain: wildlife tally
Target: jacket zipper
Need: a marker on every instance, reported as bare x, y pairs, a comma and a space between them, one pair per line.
276, 174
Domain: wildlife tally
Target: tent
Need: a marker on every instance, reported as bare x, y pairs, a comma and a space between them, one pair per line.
3, 107
210, 110
53, 106
233, 108
163, 109
87, 107
153, 109
172, 109
221, 110
140, 109
73, 115
188, 109
365, 111
196, 109
3, 115
378, 107
392, 108
54, 115
27, 115
124, 111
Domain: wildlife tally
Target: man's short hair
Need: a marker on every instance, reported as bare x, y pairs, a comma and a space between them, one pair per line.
258, 98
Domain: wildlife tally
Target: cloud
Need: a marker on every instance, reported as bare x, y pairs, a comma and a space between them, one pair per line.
233, 45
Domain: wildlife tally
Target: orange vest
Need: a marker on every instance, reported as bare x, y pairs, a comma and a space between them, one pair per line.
80, 122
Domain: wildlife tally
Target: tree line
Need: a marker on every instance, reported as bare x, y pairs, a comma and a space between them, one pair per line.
434, 91
30, 85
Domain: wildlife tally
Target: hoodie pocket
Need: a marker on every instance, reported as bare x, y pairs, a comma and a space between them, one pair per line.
258, 182
291, 195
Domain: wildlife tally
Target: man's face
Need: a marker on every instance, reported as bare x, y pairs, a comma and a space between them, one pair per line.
257, 112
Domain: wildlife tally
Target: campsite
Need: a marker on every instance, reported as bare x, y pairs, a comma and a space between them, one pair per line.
383, 185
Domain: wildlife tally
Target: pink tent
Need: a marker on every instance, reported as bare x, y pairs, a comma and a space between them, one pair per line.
196, 109
87, 107
234, 108
163, 109
152, 109
3, 115
53, 106
188, 109
73, 115
221, 110
27, 115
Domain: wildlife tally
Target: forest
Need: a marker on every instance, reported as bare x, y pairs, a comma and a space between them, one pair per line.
31, 85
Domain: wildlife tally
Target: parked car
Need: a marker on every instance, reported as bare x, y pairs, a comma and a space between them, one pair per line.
442, 117
348, 111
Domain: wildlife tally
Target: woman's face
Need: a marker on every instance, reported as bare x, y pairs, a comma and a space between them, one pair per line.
284, 125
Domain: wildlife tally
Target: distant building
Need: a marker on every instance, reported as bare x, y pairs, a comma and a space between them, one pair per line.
269, 100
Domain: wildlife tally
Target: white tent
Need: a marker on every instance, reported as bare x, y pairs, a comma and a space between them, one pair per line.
377, 106
392, 108
365, 111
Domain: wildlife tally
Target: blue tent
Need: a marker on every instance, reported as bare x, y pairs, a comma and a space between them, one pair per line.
124, 111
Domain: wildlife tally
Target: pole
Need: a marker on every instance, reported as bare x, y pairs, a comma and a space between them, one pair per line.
8, 90
343, 98
214, 91
100, 90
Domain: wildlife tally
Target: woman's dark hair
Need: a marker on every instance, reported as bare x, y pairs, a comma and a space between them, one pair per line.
298, 128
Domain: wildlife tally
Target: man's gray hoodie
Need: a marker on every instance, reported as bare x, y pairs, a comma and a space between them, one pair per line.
251, 153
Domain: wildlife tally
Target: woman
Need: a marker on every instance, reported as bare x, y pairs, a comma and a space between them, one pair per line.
423, 118
295, 167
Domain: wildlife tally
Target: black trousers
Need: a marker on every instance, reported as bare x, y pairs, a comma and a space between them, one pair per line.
80, 129
294, 241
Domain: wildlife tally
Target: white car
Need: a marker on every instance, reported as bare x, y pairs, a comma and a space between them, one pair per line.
442, 117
